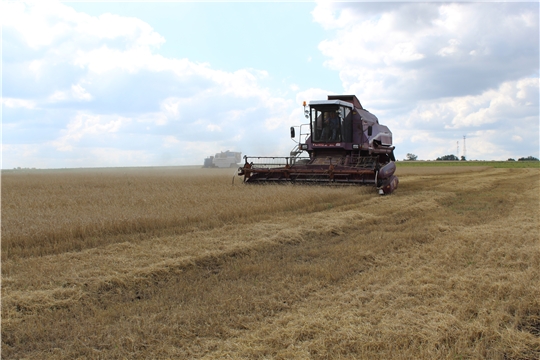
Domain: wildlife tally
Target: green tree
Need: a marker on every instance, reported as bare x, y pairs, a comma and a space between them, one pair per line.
528, 158
448, 158
411, 157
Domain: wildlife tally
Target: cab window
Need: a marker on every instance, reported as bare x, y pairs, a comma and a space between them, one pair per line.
326, 125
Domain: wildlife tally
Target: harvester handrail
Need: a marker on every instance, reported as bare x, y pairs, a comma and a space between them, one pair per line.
305, 134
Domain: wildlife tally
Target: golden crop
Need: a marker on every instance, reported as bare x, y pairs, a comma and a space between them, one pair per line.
180, 263
57, 211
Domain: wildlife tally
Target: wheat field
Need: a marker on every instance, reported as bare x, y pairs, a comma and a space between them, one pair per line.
173, 263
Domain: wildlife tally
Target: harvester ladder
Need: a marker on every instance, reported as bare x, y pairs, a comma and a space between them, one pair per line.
296, 151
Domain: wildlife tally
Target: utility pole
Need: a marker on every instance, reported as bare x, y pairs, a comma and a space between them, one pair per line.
457, 150
464, 149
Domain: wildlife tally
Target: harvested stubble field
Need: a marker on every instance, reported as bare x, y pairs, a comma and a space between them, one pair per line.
179, 263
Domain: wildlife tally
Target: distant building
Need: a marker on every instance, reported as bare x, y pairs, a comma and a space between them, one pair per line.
224, 159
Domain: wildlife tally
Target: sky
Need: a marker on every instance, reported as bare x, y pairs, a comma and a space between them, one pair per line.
98, 84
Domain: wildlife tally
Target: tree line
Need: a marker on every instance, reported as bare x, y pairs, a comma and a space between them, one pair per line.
452, 157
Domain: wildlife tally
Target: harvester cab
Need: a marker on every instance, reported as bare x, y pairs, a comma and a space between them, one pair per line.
345, 144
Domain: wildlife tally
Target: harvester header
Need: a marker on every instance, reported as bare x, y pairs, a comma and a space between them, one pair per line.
343, 143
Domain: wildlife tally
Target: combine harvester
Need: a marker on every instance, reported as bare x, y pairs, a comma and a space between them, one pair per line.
345, 143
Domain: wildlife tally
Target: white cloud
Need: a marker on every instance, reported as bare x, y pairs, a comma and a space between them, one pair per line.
58, 96
492, 106
18, 103
95, 85
109, 26
76, 92
311, 94
84, 125
488, 119
326, 14
242, 83
80, 93
451, 48
114, 87
422, 49
33, 21
35, 67
42, 23
213, 127
171, 107
273, 123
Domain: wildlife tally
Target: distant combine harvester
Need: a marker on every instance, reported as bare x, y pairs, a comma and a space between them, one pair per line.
224, 159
